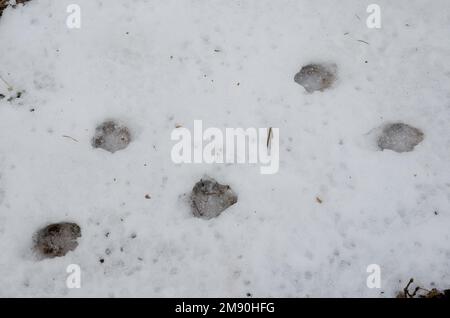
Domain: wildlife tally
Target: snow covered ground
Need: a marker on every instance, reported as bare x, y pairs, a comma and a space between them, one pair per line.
156, 64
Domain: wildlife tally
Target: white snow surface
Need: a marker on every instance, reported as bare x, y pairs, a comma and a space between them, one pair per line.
155, 64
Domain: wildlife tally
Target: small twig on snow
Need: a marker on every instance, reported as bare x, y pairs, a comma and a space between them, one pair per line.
65, 136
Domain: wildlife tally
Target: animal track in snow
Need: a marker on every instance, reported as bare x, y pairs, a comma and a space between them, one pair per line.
316, 77
111, 136
399, 137
210, 198
56, 240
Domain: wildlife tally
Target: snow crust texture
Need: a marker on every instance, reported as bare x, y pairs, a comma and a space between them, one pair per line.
85, 139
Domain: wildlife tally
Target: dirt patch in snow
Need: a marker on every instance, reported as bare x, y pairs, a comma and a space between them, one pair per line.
111, 136
316, 77
56, 240
210, 198
399, 137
